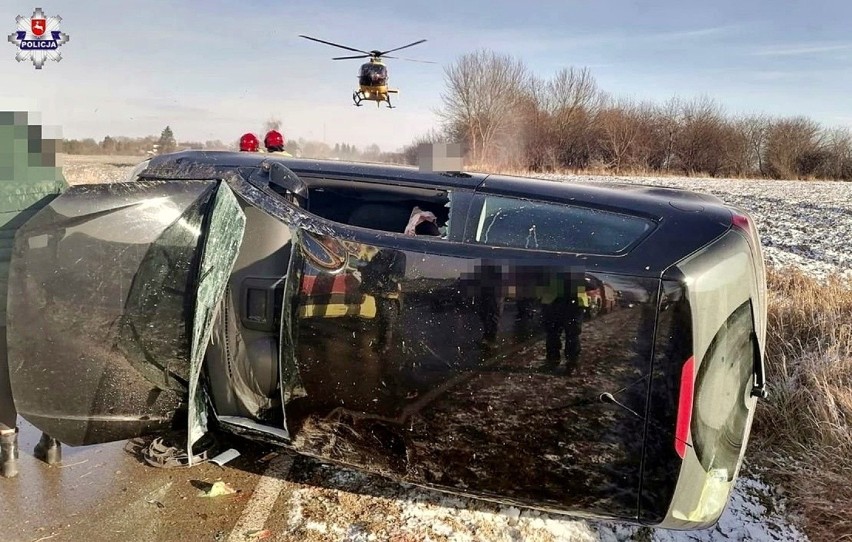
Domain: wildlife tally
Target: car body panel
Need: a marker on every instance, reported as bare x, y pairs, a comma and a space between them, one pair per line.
424, 359
720, 282
100, 288
417, 397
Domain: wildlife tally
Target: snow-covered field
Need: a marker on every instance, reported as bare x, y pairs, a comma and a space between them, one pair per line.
808, 224
802, 223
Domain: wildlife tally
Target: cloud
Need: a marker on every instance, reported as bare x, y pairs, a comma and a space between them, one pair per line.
802, 49
682, 35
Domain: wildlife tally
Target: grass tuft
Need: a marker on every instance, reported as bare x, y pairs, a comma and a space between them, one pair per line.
804, 430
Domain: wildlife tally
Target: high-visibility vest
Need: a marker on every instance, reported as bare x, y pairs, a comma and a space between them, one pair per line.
556, 287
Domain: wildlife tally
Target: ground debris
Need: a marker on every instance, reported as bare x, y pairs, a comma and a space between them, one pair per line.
217, 489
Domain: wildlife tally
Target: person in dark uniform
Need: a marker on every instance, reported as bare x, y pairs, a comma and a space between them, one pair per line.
563, 312
490, 301
380, 278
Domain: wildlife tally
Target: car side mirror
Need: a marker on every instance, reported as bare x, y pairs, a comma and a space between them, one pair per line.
281, 179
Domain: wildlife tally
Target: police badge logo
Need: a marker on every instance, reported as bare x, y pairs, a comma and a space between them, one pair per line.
38, 38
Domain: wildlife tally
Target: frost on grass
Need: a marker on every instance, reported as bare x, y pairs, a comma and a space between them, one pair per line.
343, 505
330, 503
756, 513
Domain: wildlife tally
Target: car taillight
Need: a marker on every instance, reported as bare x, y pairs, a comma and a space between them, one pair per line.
684, 406
742, 222
745, 226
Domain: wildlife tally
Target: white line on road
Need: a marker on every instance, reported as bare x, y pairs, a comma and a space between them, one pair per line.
257, 510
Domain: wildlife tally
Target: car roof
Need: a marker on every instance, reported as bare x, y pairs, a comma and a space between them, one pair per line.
685, 220
634, 197
318, 167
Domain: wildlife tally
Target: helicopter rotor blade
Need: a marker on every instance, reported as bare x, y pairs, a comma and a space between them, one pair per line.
348, 57
403, 47
334, 44
410, 59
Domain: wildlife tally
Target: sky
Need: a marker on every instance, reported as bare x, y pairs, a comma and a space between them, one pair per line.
215, 69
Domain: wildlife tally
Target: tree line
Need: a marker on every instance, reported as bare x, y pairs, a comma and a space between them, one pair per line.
166, 143
505, 116
136, 146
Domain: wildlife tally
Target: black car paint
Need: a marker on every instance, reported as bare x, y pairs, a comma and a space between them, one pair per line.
433, 407
684, 224
104, 352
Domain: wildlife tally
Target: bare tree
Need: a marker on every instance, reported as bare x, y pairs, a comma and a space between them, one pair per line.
483, 92
699, 143
793, 146
620, 129
736, 154
755, 128
838, 146
571, 99
505, 116
668, 130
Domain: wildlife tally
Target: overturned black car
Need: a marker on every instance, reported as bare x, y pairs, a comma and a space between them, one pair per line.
587, 349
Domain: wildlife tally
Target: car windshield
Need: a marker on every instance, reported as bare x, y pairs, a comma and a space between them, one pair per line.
527, 224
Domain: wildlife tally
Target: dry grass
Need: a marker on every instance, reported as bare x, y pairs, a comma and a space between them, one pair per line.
600, 171
804, 430
87, 159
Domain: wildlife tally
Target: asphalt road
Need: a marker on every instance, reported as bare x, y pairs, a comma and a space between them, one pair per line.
106, 493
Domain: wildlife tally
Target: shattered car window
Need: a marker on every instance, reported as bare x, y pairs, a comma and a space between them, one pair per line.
136, 171
527, 224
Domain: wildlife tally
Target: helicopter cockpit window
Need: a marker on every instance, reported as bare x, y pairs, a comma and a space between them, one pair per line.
373, 74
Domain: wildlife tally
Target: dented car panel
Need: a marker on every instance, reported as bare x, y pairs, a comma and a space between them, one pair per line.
548, 345
101, 288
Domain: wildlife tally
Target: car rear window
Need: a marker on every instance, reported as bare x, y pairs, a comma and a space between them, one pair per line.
537, 225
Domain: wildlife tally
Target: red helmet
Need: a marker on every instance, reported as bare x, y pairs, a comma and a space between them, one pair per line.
249, 143
273, 139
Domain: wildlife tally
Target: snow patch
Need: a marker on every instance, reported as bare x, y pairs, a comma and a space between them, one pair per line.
806, 224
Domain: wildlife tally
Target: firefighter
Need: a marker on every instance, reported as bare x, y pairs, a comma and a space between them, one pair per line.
249, 143
274, 143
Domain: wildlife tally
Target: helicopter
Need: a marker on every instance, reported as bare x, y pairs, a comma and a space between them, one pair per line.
373, 75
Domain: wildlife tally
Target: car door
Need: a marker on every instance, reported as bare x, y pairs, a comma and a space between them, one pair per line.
438, 374
110, 295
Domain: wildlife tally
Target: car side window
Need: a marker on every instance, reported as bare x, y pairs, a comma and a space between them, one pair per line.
538, 225
394, 209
